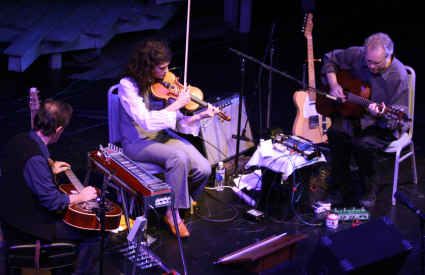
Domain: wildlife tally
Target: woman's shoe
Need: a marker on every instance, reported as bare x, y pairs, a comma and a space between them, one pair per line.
184, 232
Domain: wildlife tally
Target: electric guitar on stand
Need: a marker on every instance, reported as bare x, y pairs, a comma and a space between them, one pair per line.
308, 123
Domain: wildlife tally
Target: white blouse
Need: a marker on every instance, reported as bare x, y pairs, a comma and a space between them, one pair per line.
151, 121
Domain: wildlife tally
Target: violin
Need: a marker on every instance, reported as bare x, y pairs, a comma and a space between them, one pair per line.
170, 87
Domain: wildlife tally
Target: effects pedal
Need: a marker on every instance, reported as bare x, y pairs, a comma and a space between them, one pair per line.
254, 215
352, 214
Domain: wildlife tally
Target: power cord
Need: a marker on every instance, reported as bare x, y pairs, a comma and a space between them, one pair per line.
235, 211
292, 206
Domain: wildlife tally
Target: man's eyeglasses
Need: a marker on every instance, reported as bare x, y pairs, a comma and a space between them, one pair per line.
377, 63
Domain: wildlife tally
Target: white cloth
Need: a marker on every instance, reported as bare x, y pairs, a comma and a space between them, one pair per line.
280, 161
251, 181
151, 121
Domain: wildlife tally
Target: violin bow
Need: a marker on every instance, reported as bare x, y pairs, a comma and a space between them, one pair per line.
184, 87
187, 46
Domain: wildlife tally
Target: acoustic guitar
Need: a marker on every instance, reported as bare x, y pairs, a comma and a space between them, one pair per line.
84, 215
357, 101
308, 123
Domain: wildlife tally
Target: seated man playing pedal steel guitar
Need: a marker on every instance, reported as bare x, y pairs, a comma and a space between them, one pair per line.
30, 200
148, 126
375, 65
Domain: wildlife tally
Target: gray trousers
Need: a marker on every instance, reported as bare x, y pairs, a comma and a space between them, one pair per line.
186, 170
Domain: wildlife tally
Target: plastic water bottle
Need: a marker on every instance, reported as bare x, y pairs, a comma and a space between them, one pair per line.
220, 174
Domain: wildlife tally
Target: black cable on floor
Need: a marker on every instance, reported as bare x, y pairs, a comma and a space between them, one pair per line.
236, 212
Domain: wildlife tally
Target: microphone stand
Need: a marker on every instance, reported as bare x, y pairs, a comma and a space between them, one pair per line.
241, 93
270, 52
260, 100
100, 213
269, 93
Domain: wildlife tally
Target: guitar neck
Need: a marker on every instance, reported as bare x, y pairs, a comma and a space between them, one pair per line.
358, 100
310, 64
74, 180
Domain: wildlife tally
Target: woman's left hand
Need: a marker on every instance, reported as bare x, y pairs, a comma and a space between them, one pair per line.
209, 112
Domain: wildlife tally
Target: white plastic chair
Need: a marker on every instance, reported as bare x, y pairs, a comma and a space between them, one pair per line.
405, 143
114, 129
115, 137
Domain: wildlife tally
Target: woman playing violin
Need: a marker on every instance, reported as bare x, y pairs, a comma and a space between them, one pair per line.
148, 127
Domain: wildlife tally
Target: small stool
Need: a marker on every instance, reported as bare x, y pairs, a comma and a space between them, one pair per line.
34, 255
41, 257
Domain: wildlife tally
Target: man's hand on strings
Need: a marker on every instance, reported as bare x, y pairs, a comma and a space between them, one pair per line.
87, 194
376, 109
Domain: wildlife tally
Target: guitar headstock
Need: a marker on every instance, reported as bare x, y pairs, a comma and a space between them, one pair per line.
308, 25
34, 102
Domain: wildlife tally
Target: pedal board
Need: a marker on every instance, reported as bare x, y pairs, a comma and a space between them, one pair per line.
303, 146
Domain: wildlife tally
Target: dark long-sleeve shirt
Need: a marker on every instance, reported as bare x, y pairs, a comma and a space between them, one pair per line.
390, 86
39, 179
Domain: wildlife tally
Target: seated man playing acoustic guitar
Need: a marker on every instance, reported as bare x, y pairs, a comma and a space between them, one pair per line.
374, 65
30, 200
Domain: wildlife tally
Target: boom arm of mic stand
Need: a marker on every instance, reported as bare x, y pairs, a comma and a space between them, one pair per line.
270, 68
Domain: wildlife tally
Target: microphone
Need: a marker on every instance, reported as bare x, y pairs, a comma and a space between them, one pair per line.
401, 197
250, 201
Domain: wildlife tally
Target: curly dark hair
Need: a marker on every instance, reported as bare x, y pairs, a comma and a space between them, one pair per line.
147, 55
52, 114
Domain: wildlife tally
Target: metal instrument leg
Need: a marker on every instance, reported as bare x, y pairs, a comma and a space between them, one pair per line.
178, 234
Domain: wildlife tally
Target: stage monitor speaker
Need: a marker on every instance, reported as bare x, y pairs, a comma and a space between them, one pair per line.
218, 136
375, 247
